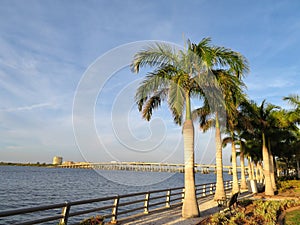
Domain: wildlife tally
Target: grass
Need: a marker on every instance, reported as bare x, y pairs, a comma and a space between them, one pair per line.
292, 218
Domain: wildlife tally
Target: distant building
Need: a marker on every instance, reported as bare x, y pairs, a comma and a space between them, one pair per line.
57, 160
68, 163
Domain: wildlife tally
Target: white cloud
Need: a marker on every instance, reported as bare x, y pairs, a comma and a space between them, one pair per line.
27, 108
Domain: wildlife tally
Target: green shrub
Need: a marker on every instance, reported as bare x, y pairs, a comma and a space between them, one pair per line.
265, 212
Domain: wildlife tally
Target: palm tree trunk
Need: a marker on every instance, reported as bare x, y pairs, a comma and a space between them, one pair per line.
235, 182
266, 160
256, 171
250, 168
252, 180
272, 172
190, 206
243, 175
220, 191
272, 166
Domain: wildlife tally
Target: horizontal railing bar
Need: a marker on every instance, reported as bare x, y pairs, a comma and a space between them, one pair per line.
174, 199
131, 203
157, 197
81, 202
151, 192
157, 203
90, 210
130, 210
174, 194
163, 190
133, 194
32, 209
46, 219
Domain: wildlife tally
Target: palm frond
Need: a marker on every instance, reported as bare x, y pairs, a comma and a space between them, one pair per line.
155, 55
293, 99
227, 58
153, 82
176, 99
225, 141
151, 104
207, 125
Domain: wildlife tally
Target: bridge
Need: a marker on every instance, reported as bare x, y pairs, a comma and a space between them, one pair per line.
145, 167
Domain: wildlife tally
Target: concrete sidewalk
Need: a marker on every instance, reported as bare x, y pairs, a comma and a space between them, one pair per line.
172, 216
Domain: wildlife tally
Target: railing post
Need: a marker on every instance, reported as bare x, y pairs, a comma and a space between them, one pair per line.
211, 189
204, 190
168, 199
115, 210
65, 214
146, 203
182, 194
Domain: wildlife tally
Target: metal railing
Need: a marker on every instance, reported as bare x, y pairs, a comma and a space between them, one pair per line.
111, 208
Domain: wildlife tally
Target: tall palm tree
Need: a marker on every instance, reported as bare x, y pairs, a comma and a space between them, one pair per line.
171, 81
235, 184
231, 87
228, 67
262, 118
242, 160
294, 116
178, 76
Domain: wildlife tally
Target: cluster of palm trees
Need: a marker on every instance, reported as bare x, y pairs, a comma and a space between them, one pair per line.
213, 75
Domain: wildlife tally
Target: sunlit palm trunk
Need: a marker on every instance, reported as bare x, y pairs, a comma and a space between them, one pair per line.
252, 180
235, 182
266, 160
220, 191
243, 175
250, 168
256, 171
272, 168
272, 172
190, 206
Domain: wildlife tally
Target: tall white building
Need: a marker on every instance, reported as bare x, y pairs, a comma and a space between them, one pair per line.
57, 160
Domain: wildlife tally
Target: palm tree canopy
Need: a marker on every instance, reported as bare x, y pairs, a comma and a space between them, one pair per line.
294, 115
181, 74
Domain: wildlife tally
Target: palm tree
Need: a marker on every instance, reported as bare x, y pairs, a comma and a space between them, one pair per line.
263, 119
294, 116
235, 184
231, 88
178, 76
242, 160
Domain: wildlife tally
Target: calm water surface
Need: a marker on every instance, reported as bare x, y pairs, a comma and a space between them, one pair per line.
32, 186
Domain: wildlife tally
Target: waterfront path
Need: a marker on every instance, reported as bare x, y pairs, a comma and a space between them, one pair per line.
172, 216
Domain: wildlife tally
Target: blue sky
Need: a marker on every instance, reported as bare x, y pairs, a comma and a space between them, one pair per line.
46, 48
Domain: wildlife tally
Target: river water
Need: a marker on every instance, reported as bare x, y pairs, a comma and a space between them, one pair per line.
32, 186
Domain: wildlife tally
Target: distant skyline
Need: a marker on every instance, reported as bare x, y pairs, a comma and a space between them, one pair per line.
47, 48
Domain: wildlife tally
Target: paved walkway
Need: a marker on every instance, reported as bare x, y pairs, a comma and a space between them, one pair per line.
172, 216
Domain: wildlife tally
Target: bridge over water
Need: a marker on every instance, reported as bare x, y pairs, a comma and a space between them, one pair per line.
144, 166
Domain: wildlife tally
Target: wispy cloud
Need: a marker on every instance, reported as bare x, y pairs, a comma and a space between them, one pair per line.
27, 108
